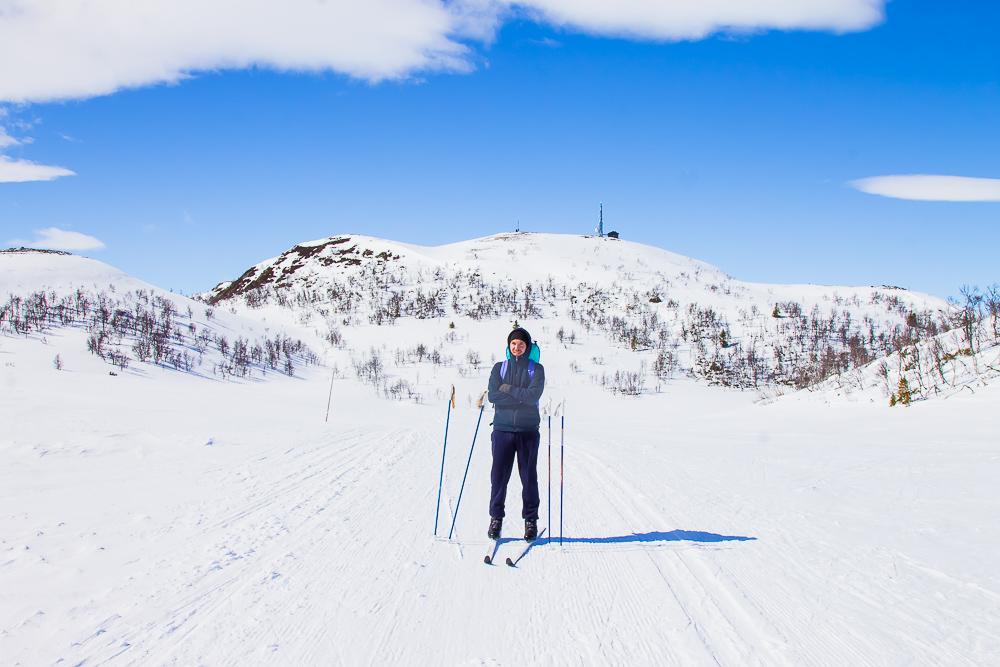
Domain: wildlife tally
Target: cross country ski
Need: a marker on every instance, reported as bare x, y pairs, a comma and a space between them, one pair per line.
513, 563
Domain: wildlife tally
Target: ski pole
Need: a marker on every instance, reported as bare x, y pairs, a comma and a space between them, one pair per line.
482, 404
447, 421
549, 522
562, 430
329, 398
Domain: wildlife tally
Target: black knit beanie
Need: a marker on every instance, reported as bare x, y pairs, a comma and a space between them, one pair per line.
520, 334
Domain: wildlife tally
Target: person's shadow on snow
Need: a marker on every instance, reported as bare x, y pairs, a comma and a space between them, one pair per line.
655, 536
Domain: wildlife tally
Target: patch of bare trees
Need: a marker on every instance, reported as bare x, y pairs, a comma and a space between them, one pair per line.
147, 327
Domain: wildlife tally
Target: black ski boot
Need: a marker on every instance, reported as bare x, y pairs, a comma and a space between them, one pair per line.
494, 532
530, 529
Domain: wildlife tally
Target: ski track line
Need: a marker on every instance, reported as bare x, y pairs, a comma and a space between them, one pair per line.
301, 547
683, 571
720, 640
738, 606
745, 621
334, 468
392, 601
769, 606
850, 628
252, 580
302, 471
305, 560
840, 637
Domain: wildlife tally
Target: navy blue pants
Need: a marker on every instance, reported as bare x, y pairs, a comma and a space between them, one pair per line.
505, 447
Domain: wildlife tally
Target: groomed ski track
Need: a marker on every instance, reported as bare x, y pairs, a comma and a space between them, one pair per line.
698, 541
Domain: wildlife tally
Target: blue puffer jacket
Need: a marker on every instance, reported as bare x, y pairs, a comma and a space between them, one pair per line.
517, 411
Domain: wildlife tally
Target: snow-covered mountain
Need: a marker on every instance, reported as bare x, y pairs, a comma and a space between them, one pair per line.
89, 306
674, 313
397, 313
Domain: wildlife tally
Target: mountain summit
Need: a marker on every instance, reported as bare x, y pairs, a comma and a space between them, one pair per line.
521, 255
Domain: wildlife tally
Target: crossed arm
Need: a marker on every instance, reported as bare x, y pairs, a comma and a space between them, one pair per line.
516, 396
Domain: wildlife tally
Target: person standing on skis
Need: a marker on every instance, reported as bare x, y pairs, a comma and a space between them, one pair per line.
515, 387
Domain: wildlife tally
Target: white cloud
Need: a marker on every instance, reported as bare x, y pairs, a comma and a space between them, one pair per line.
82, 48
931, 187
68, 49
23, 171
696, 19
53, 238
6, 141
547, 42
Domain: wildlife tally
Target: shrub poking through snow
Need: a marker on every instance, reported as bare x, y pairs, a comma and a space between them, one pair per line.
902, 396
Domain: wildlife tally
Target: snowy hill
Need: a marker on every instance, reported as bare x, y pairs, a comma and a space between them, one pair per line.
937, 368
674, 314
23, 271
76, 304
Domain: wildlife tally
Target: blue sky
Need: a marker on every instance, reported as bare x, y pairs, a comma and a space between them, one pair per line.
738, 148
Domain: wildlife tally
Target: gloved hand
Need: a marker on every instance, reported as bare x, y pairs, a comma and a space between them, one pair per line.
505, 388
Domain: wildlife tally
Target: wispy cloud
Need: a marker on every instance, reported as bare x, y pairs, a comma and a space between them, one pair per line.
696, 19
931, 187
547, 42
84, 48
53, 238
23, 171
6, 141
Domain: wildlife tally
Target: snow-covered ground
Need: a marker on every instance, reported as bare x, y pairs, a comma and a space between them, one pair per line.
164, 517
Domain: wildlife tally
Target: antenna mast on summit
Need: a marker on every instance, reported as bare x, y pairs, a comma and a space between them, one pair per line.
600, 224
